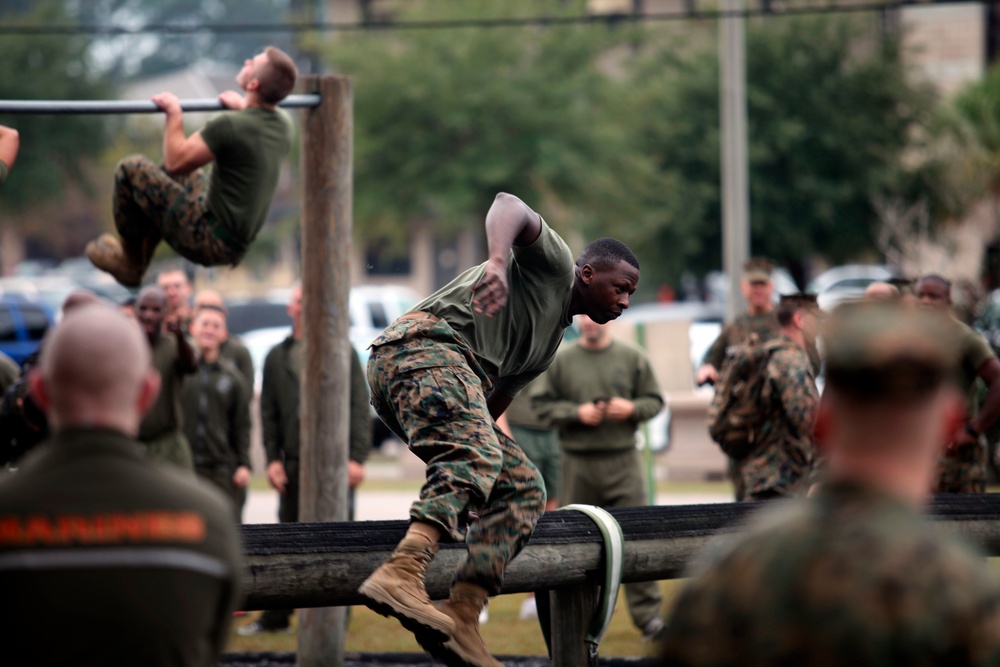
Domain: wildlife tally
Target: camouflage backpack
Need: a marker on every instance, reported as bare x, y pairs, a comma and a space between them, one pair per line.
737, 410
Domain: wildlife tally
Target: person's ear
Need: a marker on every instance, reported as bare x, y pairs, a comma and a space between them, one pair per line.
149, 391
36, 386
587, 274
799, 319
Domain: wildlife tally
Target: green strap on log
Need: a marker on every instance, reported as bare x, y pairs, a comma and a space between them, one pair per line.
614, 554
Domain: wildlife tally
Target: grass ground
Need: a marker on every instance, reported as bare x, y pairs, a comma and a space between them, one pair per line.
504, 633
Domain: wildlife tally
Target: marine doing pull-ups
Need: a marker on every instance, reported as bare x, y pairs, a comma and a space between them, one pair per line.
210, 219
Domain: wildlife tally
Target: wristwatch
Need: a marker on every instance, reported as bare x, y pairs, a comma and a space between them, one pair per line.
971, 430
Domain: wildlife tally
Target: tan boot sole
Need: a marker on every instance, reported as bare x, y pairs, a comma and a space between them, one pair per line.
105, 252
433, 628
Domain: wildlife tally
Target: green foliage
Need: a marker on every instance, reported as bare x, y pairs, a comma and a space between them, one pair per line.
54, 149
613, 131
149, 54
446, 119
966, 143
830, 112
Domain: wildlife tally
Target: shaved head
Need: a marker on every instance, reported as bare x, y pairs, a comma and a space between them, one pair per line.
881, 291
80, 297
95, 370
211, 299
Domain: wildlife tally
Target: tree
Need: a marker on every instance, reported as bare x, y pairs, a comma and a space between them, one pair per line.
830, 113
148, 54
446, 119
54, 149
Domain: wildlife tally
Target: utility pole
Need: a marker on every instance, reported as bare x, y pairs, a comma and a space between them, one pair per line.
735, 188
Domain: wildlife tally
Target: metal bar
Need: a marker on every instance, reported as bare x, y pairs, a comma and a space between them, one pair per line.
74, 107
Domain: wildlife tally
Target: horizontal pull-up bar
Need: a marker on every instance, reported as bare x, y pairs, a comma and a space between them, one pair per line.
70, 107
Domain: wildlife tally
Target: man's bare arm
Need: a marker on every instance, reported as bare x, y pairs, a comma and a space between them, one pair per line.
10, 142
509, 222
181, 154
497, 403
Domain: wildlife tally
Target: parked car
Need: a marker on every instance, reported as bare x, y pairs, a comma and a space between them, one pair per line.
23, 324
846, 283
371, 309
706, 322
717, 287
261, 341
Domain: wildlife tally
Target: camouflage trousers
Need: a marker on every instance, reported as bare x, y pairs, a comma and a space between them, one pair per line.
963, 471
430, 391
151, 206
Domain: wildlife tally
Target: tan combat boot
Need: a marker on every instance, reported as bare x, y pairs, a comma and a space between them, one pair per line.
466, 646
107, 254
397, 589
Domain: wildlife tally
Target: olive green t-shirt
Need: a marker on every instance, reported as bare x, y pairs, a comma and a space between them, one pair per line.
4, 170
520, 341
975, 352
521, 413
249, 146
165, 414
580, 375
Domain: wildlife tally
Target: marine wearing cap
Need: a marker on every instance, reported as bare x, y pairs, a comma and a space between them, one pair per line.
853, 575
758, 270
887, 351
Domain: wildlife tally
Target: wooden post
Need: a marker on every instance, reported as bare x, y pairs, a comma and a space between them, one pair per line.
572, 608
326, 173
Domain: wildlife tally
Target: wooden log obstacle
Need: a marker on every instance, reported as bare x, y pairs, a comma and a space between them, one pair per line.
322, 564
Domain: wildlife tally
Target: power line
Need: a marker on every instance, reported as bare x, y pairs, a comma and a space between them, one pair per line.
767, 9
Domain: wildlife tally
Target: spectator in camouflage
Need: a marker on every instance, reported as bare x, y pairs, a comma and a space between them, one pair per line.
854, 575
440, 377
759, 321
781, 461
963, 463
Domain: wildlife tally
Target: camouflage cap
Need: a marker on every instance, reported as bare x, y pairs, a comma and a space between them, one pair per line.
886, 350
757, 269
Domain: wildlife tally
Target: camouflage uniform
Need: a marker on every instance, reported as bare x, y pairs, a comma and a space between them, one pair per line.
781, 462
537, 438
764, 326
848, 577
430, 390
963, 470
150, 205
